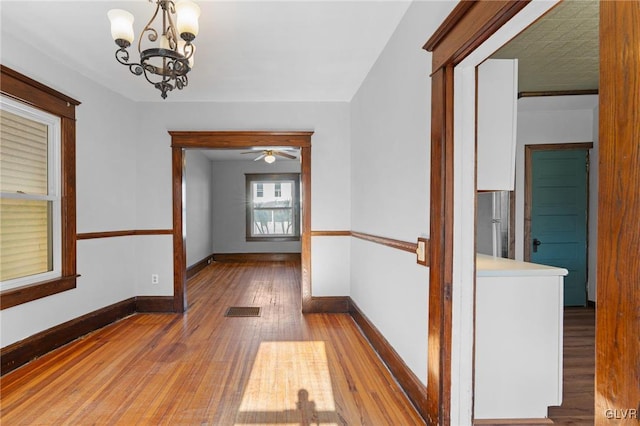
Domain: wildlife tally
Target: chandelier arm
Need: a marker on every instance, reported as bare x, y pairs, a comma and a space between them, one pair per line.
182, 81
149, 69
153, 34
170, 32
170, 4
135, 69
176, 69
181, 68
188, 50
122, 56
172, 37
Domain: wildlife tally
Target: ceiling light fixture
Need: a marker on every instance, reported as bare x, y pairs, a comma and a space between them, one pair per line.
166, 62
269, 158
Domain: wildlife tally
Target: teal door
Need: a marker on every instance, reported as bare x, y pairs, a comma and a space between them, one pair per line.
559, 217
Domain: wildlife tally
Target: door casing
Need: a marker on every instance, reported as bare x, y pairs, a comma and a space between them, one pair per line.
469, 26
181, 140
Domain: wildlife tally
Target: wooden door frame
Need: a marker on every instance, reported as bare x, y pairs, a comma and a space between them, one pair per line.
617, 350
618, 275
528, 193
182, 140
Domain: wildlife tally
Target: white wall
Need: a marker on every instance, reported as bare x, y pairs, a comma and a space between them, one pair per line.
331, 265
199, 206
390, 184
105, 172
559, 119
229, 210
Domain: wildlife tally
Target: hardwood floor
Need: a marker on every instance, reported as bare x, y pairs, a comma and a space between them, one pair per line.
207, 369
579, 369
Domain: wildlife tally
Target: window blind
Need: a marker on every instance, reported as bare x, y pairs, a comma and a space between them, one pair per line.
24, 153
25, 224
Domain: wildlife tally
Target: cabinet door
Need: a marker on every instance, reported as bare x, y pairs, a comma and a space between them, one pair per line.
497, 114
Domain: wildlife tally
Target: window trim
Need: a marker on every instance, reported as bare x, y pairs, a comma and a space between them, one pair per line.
295, 177
23, 89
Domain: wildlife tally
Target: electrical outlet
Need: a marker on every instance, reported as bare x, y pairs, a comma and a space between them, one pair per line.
155, 279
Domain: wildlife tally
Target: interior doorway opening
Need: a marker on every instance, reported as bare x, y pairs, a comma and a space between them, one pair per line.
556, 212
232, 140
528, 241
472, 32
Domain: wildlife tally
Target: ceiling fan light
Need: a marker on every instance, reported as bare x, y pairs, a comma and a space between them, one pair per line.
270, 158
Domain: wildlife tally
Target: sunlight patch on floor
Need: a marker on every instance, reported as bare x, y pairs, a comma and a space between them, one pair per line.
289, 384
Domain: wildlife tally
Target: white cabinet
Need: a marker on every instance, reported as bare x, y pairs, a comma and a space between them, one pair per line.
497, 115
518, 346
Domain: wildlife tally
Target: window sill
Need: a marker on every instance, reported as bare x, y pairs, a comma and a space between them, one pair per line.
272, 239
27, 293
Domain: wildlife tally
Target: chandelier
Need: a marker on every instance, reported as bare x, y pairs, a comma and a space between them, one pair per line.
165, 59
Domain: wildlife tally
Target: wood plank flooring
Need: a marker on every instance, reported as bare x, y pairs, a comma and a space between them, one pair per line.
206, 369
579, 369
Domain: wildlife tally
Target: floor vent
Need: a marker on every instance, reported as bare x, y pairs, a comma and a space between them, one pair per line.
242, 311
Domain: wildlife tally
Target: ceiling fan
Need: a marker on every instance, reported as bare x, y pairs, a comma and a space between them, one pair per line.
269, 155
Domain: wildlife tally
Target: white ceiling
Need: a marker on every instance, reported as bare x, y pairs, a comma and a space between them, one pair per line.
238, 154
246, 50
560, 51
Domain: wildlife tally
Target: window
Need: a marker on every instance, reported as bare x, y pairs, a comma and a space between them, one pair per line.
273, 208
30, 194
37, 190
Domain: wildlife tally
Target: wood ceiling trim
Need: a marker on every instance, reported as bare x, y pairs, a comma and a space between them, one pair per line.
467, 27
557, 93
